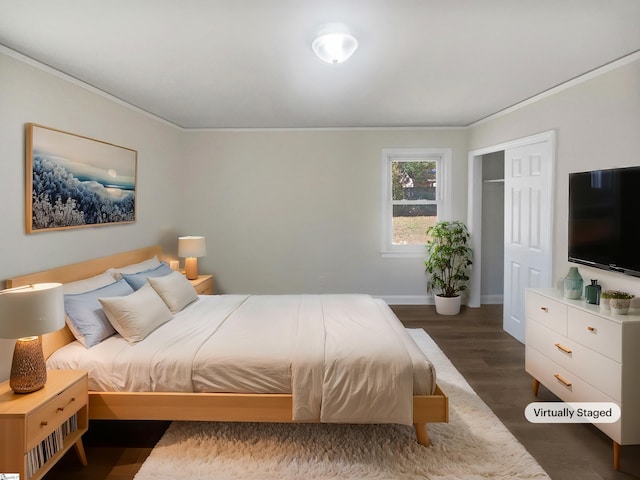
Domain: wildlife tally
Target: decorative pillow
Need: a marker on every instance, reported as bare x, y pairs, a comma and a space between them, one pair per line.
85, 316
176, 291
88, 284
134, 268
137, 315
137, 280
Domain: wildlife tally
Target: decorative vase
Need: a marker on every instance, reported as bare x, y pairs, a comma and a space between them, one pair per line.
447, 305
604, 303
592, 292
620, 306
573, 283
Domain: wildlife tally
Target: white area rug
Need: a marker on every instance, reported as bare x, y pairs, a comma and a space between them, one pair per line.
473, 445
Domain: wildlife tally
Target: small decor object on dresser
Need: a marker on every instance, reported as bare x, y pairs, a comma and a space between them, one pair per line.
592, 292
573, 284
605, 299
619, 302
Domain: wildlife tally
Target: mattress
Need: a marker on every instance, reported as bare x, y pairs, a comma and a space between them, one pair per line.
332, 352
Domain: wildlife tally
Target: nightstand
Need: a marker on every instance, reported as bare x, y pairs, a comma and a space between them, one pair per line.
36, 429
203, 284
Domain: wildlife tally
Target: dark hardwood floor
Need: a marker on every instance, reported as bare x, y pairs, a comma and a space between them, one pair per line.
493, 363
490, 360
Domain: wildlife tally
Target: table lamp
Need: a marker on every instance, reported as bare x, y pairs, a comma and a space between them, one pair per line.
25, 313
191, 248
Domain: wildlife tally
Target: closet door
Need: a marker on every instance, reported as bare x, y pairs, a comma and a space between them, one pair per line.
528, 219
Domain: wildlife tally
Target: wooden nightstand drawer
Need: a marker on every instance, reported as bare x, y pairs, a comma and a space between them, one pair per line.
50, 415
203, 284
53, 418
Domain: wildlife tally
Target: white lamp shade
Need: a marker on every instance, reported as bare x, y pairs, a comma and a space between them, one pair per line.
334, 47
191, 247
31, 310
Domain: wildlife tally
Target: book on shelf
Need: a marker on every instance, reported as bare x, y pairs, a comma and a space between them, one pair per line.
39, 455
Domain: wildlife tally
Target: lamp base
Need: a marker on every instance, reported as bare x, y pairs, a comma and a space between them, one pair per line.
191, 267
28, 369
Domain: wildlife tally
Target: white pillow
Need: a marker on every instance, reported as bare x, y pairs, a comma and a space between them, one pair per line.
88, 284
134, 267
136, 315
176, 291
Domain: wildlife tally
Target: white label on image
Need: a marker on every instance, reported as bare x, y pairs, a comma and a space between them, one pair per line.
572, 412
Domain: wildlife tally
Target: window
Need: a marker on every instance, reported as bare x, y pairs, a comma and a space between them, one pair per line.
415, 196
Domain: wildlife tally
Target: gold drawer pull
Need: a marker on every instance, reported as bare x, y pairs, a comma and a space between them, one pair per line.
544, 309
61, 409
562, 380
591, 329
563, 348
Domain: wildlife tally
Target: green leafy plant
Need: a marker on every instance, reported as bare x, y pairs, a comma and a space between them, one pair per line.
448, 258
616, 294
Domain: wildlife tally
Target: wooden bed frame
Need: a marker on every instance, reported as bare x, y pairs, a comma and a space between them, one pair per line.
193, 406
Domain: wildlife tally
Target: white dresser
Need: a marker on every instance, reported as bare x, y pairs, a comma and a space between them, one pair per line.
583, 354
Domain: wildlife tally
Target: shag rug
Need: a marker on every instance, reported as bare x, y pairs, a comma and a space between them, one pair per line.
473, 445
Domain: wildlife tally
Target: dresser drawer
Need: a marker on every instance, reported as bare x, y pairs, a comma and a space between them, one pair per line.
50, 415
596, 369
550, 313
556, 378
602, 335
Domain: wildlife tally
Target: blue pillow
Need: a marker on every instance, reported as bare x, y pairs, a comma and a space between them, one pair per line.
138, 280
87, 320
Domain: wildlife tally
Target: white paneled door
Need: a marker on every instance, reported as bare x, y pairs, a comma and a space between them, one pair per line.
528, 212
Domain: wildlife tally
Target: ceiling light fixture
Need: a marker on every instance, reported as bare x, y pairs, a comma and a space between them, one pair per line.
334, 47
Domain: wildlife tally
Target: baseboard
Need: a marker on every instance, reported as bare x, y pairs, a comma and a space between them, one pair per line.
492, 299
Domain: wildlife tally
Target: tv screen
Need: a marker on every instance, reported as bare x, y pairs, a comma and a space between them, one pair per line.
604, 219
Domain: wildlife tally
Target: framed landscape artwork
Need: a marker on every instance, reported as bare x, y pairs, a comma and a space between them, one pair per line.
75, 181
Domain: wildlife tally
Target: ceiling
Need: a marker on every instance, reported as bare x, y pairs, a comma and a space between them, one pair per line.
249, 63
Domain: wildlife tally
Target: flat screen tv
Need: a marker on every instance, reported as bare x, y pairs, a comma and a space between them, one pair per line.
604, 219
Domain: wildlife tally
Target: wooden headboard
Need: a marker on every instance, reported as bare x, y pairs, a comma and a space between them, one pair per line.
78, 271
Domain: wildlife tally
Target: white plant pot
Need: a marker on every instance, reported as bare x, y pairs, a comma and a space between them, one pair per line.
447, 305
620, 306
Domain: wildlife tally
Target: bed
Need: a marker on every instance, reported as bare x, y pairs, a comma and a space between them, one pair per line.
248, 403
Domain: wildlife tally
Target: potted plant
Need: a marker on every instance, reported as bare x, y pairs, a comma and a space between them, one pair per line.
448, 260
619, 302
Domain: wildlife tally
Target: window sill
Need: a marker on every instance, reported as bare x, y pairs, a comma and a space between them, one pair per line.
402, 254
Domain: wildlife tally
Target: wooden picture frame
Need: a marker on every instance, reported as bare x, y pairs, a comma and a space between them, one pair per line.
74, 181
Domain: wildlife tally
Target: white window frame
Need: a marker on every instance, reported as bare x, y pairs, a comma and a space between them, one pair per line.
443, 159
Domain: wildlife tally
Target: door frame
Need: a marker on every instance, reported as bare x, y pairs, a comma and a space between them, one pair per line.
474, 206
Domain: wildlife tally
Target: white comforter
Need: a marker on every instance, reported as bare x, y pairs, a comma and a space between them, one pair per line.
344, 358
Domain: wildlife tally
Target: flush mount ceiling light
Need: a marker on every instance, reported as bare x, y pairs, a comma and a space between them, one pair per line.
334, 47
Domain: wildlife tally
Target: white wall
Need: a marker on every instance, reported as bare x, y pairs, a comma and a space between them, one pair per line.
300, 211
286, 211
283, 211
29, 94
597, 123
